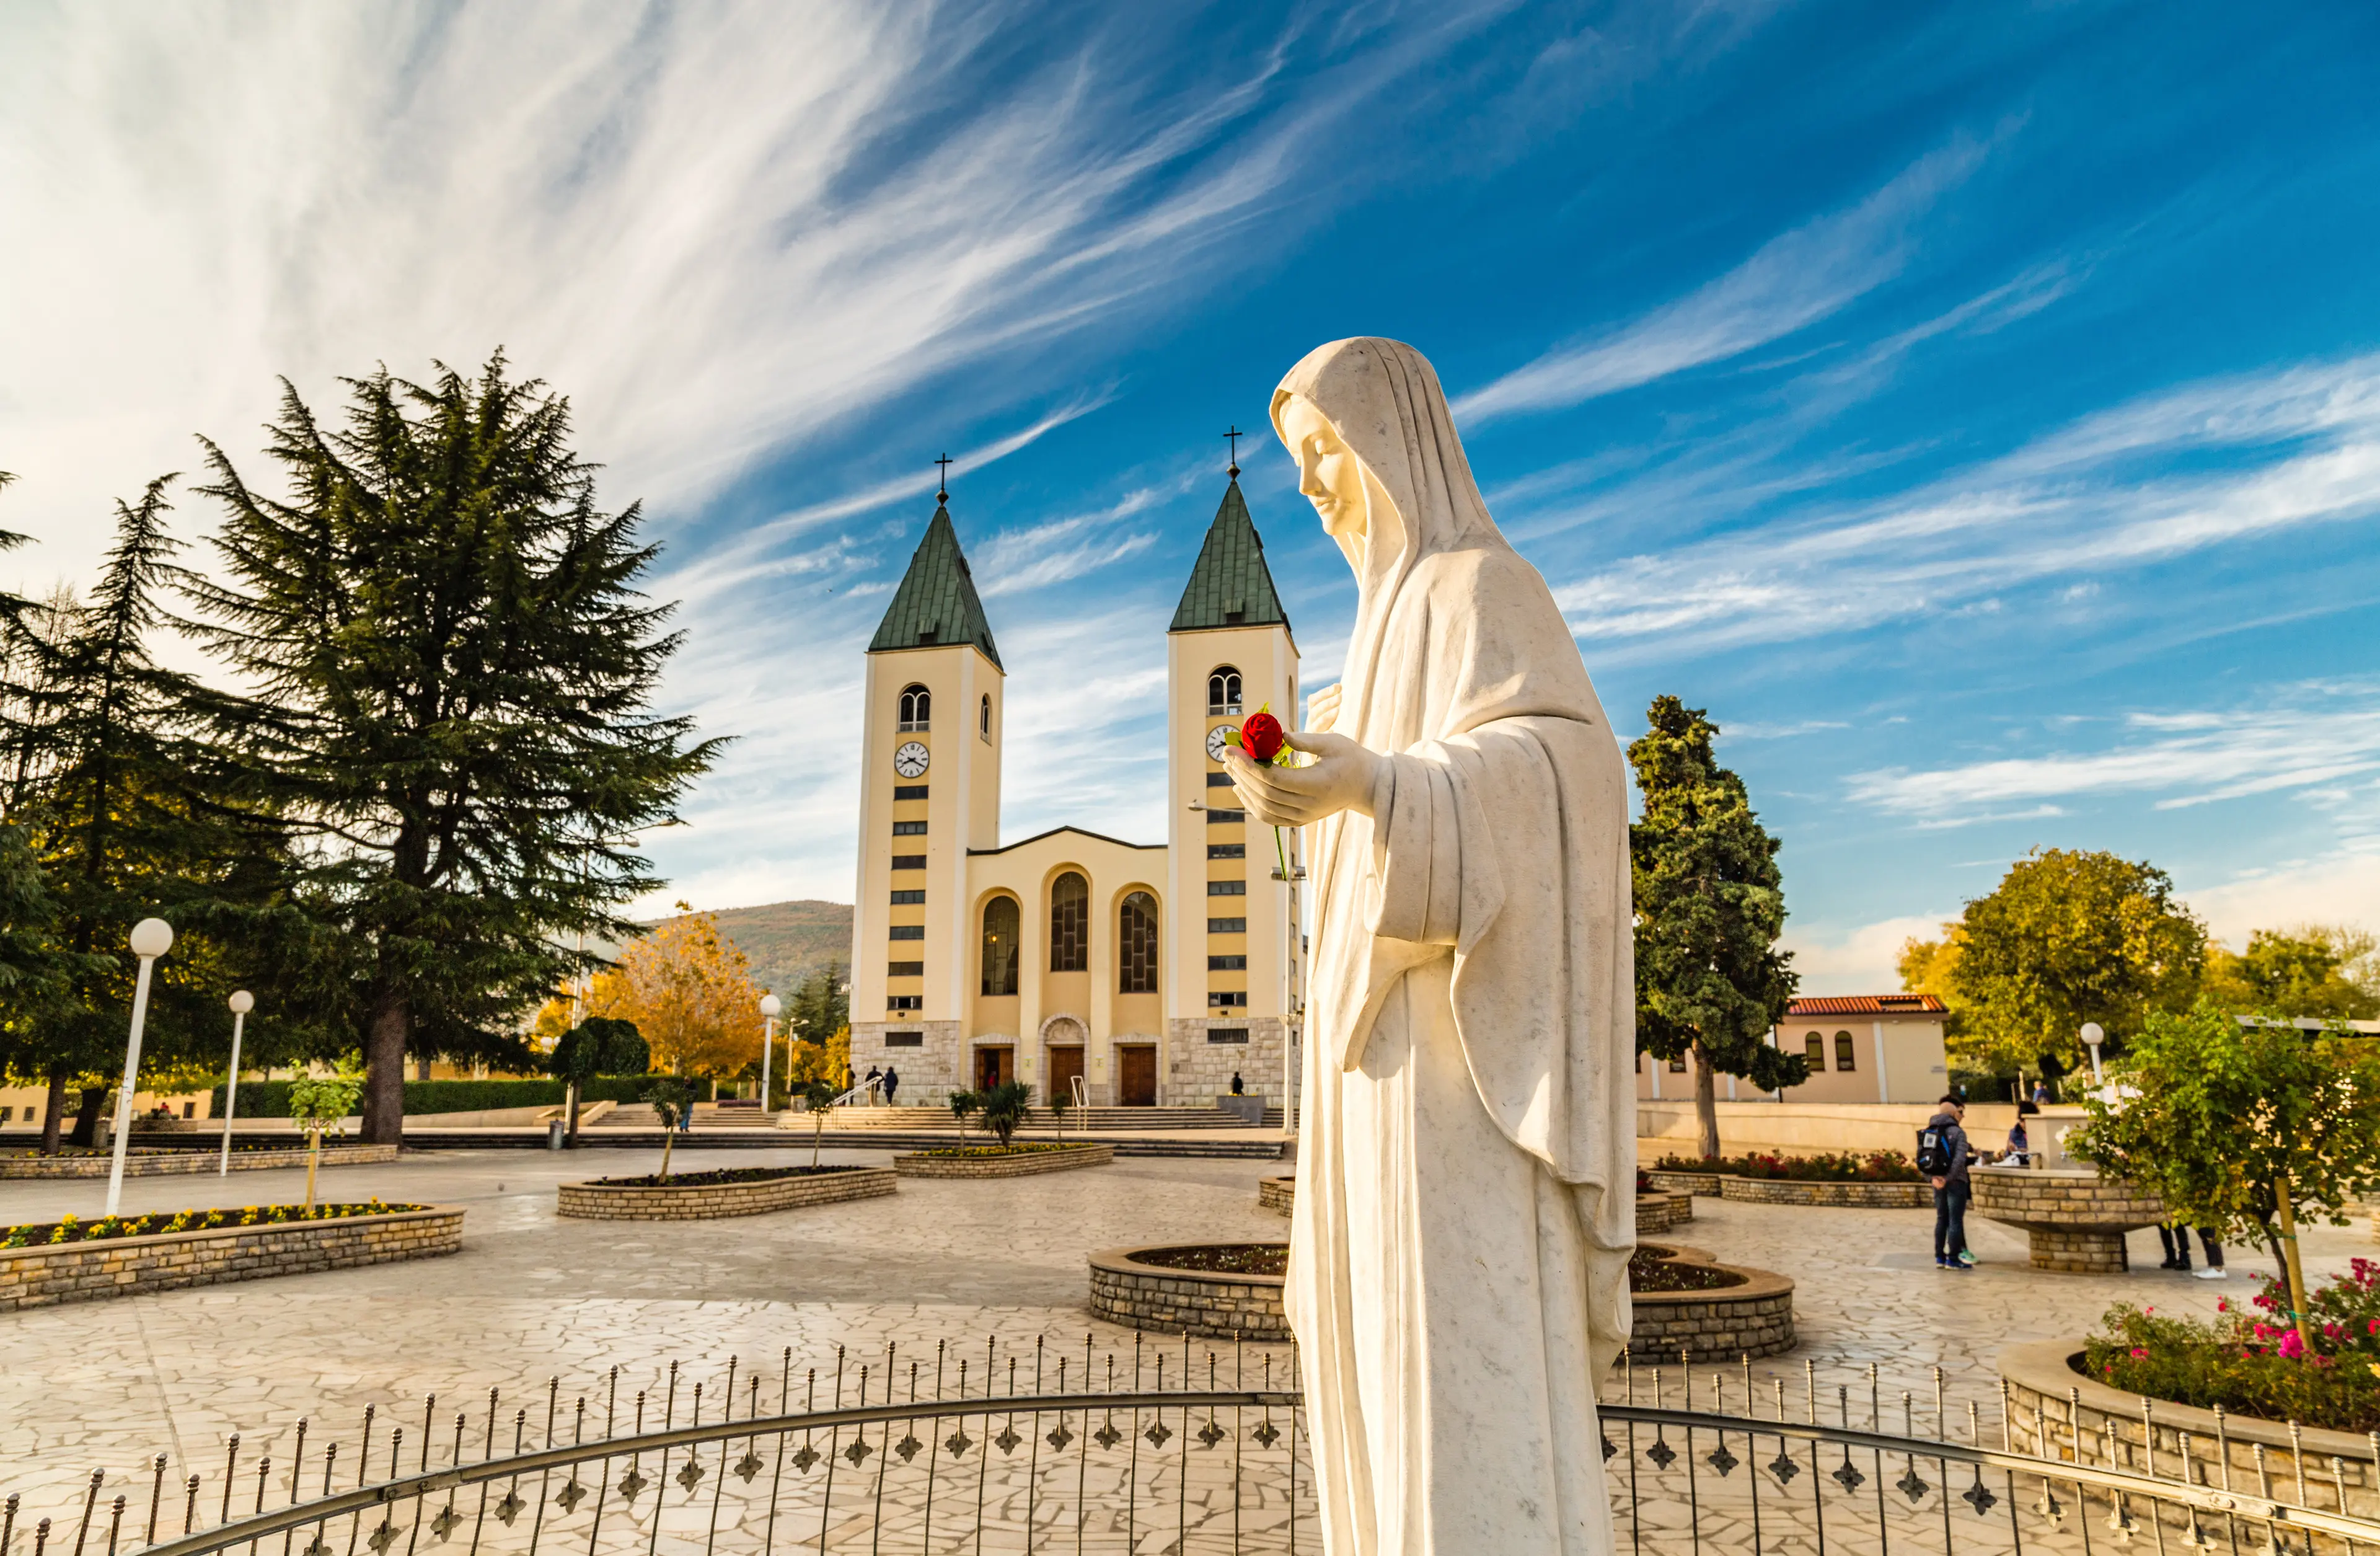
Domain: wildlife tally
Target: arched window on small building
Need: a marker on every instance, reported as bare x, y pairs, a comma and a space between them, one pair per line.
1223, 690
917, 708
1002, 924
1814, 1046
1136, 940
1070, 923
1846, 1055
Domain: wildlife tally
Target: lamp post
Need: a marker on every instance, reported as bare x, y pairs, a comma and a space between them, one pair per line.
242, 1001
152, 938
769, 1006
2093, 1036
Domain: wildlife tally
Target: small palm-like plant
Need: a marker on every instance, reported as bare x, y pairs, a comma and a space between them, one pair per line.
962, 1104
1005, 1106
819, 1096
1057, 1101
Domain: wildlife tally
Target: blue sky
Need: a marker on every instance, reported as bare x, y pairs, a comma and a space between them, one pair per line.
1978, 411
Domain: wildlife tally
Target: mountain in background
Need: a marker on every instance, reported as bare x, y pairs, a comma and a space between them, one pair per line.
786, 940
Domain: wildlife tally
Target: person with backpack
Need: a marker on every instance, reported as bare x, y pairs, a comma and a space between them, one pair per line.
1942, 1156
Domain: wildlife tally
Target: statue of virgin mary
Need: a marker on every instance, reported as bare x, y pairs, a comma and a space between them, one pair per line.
1467, 1170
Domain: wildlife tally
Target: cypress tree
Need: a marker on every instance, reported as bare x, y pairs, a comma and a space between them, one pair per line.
451, 674
1710, 904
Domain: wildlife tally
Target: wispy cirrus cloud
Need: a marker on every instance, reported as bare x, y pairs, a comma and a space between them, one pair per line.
2205, 465
2317, 737
1792, 281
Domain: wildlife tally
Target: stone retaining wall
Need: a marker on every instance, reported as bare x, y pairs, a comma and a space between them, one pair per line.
1277, 1195
1804, 1191
2074, 1218
595, 1202
167, 1162
2047, 1398
1684, 1182
1755, 1318
1658, 1212
920, 1164
37, 1277
1151, 1296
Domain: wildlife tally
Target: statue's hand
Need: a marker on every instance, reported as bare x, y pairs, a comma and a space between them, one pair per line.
1322, 709
1340, 778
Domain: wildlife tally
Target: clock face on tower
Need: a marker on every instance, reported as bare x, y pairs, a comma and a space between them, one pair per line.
1219, 740
910, 760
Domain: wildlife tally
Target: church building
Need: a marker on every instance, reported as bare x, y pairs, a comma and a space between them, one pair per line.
1126, 974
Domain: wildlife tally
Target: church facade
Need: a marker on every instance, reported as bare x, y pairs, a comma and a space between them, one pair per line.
1125, 974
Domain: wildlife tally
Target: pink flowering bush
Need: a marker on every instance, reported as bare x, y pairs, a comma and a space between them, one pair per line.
2250, 1360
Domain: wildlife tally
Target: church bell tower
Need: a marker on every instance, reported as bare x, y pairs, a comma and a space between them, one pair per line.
929, 791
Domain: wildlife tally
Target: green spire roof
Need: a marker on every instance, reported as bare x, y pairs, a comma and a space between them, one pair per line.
936, 604
1230, 586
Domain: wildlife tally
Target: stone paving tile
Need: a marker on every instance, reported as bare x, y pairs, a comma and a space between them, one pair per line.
954, 1262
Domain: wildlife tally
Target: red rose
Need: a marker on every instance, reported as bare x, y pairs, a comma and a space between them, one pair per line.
1260, 737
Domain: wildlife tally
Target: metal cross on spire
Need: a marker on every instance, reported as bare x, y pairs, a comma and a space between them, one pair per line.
944, 494
1235, 435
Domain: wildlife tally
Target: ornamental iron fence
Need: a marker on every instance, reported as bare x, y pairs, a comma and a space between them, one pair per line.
1167, 1449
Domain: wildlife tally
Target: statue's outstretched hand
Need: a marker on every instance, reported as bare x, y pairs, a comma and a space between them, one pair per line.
1340, 778
1322, 707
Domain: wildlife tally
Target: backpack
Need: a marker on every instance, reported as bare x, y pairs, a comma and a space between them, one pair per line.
1933, 1156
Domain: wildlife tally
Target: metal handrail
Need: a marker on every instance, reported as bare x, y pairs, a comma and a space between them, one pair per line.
2207, 1499
424, 1482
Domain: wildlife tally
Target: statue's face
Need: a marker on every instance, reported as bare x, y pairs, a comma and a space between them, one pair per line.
1328, 471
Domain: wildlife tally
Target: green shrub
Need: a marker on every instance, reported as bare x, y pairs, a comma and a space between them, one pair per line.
1868, 1167
270, 1099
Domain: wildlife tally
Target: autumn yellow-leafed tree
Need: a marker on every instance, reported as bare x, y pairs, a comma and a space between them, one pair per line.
690, 992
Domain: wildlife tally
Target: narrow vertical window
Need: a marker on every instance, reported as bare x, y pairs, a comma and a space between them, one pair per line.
1070, 924
1846, 1056
983, 719
1001, 923
1137, 941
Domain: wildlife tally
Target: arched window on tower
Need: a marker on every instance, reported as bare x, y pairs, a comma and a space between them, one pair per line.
1223, 690
917, 708
1002, 924
1070, 923
983, 718
1137, 941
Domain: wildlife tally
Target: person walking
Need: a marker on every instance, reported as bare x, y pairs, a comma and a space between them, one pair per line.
892, 1084
1942, 1156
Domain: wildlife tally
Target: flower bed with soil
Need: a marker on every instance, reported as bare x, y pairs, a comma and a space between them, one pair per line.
732, 1191
68, 1260
148, 1162
1215, 1290
2250, 1360
991, 1162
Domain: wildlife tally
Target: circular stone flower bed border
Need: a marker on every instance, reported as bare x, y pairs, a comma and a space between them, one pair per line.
989, 1161
87, 1269
1161, 1288
1750, 1316
1656, 1212
736, 1191
149, 1162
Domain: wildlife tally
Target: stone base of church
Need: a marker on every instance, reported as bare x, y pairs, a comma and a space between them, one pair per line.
1200, 1069
929, 1071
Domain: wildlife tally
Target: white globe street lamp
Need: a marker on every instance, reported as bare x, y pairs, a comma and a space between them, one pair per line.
2093, 1036
242, 1001
152, 938
769, 1008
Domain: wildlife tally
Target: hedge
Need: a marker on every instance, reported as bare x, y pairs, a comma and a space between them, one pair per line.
270, 1099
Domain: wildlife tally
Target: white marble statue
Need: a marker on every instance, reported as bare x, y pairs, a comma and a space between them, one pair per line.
1466, 1167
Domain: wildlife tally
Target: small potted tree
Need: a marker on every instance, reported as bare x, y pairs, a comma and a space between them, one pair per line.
819, 1097
672, 1096
596, 1046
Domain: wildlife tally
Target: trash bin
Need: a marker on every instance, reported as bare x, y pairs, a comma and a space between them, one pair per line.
553, 1133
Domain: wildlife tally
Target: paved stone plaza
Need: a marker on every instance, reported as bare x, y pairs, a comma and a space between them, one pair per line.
531, 1296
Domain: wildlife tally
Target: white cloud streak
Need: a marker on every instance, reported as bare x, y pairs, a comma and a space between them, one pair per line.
2233, 459
1792, 281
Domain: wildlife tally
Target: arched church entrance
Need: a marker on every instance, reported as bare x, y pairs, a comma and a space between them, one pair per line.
1063, 1039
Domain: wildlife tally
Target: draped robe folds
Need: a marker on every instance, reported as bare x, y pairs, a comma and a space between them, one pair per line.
1466, 1167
